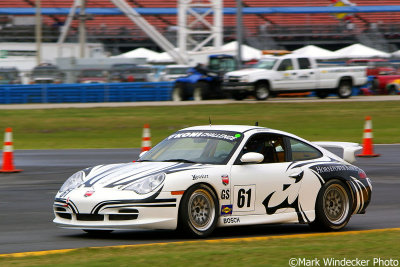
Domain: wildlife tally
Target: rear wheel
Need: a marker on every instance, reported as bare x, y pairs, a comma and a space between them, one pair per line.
375, 86
345, 89
177, 93
261, 91
392, 90
198, 213
333, 207
322, 94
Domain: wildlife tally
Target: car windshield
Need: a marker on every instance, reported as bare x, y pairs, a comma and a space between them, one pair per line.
92, 73
177, 70
48, 71
267, 64
207, 147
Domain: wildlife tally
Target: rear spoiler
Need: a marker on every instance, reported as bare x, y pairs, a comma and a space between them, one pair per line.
348, 149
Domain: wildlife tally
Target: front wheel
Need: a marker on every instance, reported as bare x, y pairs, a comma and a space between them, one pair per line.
261, 91
198, 213
238, 95
177, 93
199, 91
333, 208
345, 89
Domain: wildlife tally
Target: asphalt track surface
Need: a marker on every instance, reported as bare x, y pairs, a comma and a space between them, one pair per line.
26, 200
203, 102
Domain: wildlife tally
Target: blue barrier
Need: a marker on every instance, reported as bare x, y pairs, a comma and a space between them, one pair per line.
83, 93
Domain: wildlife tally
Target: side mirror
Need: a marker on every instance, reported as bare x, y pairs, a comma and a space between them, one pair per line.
141, 154
252, 157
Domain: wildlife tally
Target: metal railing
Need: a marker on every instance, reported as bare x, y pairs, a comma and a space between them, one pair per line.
85, 93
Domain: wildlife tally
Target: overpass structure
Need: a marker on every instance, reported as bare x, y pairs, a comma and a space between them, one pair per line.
211, 32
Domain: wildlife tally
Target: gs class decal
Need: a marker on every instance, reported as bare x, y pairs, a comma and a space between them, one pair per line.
225, 194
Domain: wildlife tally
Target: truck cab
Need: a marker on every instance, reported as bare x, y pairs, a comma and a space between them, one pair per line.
292, 73
204, 82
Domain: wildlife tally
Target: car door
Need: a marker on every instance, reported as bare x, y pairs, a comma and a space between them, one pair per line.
285, 77
306, 76
269, 187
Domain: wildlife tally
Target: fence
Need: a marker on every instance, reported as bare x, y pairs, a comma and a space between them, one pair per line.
83, 93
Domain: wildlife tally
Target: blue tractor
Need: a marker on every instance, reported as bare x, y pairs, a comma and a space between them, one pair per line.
204, 82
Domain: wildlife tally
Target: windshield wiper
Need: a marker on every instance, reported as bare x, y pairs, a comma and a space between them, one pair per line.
179, 160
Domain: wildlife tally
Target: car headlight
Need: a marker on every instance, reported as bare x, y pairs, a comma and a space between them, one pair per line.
72, 182
146, 185
244, 78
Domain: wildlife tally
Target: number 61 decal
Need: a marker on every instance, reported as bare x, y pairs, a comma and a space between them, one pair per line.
244, 197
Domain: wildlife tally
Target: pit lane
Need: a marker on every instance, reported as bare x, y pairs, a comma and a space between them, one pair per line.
26, 200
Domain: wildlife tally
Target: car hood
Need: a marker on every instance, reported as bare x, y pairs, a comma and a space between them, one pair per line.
119, 175
245, 72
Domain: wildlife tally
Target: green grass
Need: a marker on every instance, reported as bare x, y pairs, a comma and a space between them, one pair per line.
270, 252
122, 127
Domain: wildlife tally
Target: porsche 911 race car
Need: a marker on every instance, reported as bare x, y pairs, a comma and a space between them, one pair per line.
204, 177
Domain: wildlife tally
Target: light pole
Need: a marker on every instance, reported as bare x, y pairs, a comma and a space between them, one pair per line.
82, 28
38, 33
239, 31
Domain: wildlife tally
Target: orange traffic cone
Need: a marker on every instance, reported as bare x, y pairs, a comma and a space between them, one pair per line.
8, 165
368, 150
146, 138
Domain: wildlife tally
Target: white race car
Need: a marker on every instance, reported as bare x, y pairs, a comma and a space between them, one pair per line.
204, 177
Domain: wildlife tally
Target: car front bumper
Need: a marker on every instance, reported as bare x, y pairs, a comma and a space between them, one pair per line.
237, 86
116, 214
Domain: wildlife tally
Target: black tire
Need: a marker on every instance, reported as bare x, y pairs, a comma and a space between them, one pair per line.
198, 212
322, 94
178, 93
333, 208
345, 89
200, 91
261, 91
97, 232
238, 95
392, 90
375, 86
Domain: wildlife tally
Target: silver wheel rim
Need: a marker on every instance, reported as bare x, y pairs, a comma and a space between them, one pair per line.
345, 90
336, 204
201, 210
176, 95
197, 94
262, 92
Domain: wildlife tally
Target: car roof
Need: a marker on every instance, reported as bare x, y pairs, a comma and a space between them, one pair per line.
368, 60
176, 66
235, 128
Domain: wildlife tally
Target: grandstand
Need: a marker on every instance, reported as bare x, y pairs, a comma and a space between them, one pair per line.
378, 29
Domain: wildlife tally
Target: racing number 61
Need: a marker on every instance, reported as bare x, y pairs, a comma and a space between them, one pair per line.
244, 197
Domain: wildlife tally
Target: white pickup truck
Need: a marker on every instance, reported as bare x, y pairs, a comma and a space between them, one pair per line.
292, 73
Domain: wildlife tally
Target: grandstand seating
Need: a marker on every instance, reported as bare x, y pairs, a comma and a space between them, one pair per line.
254, 24
250, 21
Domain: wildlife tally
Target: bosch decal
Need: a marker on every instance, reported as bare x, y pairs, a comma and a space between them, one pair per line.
231, 220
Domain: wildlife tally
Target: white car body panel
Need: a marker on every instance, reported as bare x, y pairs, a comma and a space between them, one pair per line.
296, 79
280, 192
